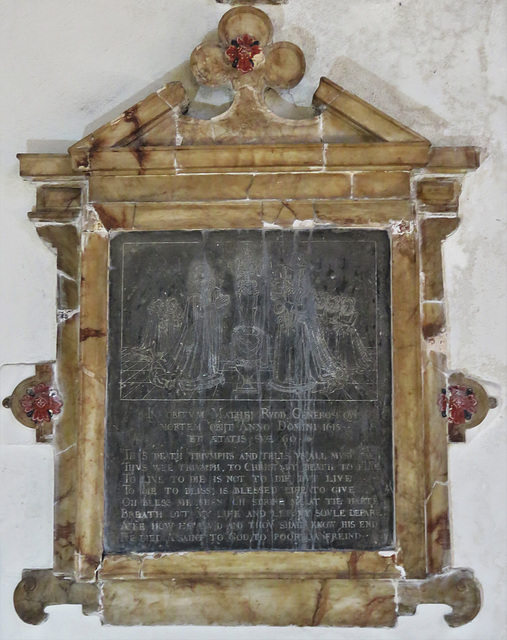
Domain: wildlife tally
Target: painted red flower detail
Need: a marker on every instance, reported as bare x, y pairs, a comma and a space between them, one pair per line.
242, 51
459, 406
40, 403
442, 403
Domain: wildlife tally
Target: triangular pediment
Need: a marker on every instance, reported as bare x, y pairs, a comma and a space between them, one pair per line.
345, 107
162, 121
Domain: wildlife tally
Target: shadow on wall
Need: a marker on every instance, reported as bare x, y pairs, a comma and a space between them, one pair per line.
388, 98
180, 73
45, 146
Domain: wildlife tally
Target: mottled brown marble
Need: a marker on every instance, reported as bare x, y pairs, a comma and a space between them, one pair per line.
458, 588
129, 124
168, 188
260, 157
257, 564
285, 65
206, 158
250, 121
58, 197
380, 154
41, 588
295, 186
273, 602
381, 184
65, 444
407, 402
66, 238
433, 319
155, 167
68, 294
198, 216
436, 489
119, 567
361, 113
339, 130
116, 215
250, 215
453, 159
438, 194
363, 213
92, 368
433, 232
45, 165
286, 213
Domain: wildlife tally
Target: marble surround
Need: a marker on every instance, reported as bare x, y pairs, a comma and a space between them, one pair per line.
155, 168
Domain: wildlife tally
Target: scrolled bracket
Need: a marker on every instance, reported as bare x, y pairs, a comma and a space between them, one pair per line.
40, 588
457, 588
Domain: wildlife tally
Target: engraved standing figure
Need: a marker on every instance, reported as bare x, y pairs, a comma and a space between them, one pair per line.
302, 359
197, 356
249, 341
353, 353
163, 322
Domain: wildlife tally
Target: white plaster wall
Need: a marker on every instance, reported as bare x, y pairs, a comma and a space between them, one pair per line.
439, 66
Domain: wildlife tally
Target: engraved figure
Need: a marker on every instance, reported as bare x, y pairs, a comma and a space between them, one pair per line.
163, 322
196, 360
353, 353
162, 328
302, 359
343, 338
147, 363
249, 341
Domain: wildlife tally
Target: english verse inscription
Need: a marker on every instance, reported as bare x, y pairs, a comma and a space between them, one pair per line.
249, 391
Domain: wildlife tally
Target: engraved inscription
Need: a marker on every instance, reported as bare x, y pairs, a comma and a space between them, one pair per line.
249, 391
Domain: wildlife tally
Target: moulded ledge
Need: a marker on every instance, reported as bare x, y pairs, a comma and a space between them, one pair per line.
276, 602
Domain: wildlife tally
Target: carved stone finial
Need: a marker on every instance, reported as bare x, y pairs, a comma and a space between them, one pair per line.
246, 55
